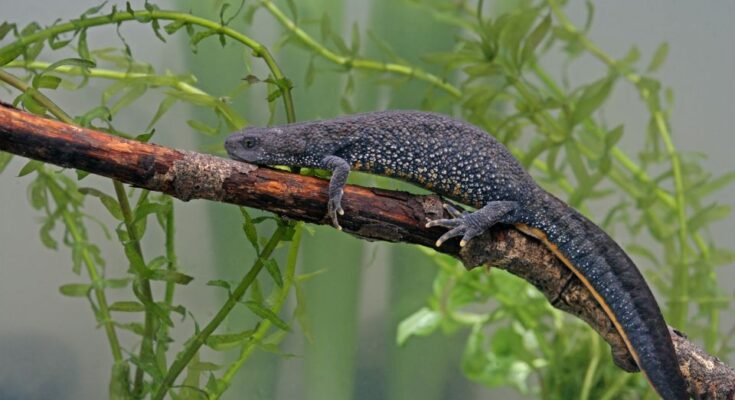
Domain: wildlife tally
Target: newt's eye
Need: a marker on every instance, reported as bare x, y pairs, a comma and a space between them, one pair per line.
249, 143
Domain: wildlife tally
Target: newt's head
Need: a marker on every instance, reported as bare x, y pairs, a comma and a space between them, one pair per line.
271, 146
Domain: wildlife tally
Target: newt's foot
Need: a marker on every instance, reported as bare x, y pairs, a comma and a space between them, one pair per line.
465, 225
334, 208
470, 225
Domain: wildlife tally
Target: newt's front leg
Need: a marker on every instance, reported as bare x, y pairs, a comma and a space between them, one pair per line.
340, 170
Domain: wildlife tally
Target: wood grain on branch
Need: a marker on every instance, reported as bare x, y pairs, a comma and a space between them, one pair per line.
373, 214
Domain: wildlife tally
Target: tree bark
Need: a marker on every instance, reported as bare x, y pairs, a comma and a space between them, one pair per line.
372, 214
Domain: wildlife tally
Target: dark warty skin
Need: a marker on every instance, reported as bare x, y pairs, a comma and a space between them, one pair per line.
466, 164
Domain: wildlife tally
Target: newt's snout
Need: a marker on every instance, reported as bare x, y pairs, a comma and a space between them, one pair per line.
232, 144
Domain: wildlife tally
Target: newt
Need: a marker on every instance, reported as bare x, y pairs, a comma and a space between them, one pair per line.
464, 163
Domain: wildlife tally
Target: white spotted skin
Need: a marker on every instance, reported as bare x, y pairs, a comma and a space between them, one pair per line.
465, 163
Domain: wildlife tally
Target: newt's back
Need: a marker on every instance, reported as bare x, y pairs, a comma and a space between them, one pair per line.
445, 155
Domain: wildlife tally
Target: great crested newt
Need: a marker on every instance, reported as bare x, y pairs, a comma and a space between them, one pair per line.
464, 163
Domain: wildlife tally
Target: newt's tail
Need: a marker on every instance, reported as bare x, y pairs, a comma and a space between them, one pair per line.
618, 286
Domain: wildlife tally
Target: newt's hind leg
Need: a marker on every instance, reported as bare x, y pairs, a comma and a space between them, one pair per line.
469, 225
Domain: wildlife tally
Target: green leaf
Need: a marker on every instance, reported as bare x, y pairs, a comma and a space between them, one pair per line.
143, 211
326, 26
116, 283
200, 99
110, 203
233, 119
156, 26
145, 137
293, 9
10, 54
206, 366
310, 74
74, 62
385, 47
721, 257
81, 174
45, 233
132, 94
157, 262
199, 36
93, 10
711, 186
535, 38
227, 341
163, 107
355, 43
256, 294
99, 112
30, 166
592, 97
78, 251
170, 276
148, 364
251, 232
120, 382
5, 28
29, 29
134, 327
202, 127
708, 215
56, 43
127, 306
421, 323
614, 136
75, 289
499, 365
340, 44
82, 47
219, 283
272, 267
46, 82
215, 385
577, 163
512, 31
259, 310
659, 57
630, 58
590, 15
131, 252
273, 348
31, 104
173, 27
4, 160
39, 199
644, 252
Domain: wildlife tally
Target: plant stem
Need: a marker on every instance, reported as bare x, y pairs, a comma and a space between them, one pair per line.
358, 63
170, 255
99, 292
161, 80
251, 342
679, 307
195, 343
121, 16
94, 275
589, 375
146, 347
38, 96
